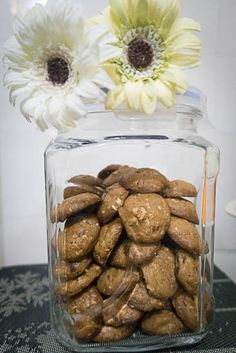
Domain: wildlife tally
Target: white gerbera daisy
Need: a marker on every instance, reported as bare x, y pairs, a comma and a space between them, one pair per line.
54, 61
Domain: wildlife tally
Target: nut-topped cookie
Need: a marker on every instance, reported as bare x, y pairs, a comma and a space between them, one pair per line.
78, 238
86, 327
186, 308
119, 256
185, 234
116, 280
88, 301
105, 172
183, 209
179, 188
144, 180
73, 205
77, 285
113, 334
162, 323
143, 301
114, 177
159, 274
116, 312
69, 270
86, 179
71, 191
187, 271
139, 254
111, 202
146, 217
108, 237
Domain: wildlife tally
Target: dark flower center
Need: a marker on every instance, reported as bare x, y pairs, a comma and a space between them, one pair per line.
140, 54
58, 71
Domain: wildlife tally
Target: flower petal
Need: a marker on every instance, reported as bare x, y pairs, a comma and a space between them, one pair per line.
115, 98
133, 94
164, 94
182, 40
185, 60
174, 76
185, 24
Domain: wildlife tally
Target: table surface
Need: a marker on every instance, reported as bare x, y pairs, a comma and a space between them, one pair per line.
24, 314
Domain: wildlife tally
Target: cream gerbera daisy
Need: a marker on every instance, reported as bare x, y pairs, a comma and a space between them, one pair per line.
54, 62
155, 44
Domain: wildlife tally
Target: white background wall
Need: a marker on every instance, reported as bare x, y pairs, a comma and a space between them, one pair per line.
22, 204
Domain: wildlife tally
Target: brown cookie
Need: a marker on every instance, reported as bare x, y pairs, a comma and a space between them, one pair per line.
69, 270
146, 217
185, 234
144, 180
72, 206
187, 271
114, 177
86, 327
116, 312
71, 191
139, 254
179, 188
79, 238
108, 237
162, 323
143, 301
159, 274
75, 286
115, 280
89, 302
104, 173
119, 257
187, 309
113, 334
86, 179
111, 202
183, 209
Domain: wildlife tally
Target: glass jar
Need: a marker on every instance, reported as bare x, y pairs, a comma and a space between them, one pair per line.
131, 248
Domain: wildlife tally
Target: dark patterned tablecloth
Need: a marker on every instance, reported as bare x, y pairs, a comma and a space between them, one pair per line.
24, 314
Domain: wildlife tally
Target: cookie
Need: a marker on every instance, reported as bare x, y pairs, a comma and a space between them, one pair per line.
89, 302
185, 234
183, 209
159, 274
71, 191
86, 179
75, 286
108, 237
143, 301
162, 323
187, 309
114, 177
144, 180
68, 270
115, 280
72, 206
105, 172
139, 254
86, 327
113, 334
187, 271
111, 202
78, 238
146, 217
119, 256
179, 188
116, 312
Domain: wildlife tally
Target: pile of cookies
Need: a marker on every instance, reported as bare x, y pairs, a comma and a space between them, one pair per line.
128, 254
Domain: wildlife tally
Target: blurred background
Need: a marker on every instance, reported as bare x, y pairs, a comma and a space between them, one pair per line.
22, 202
